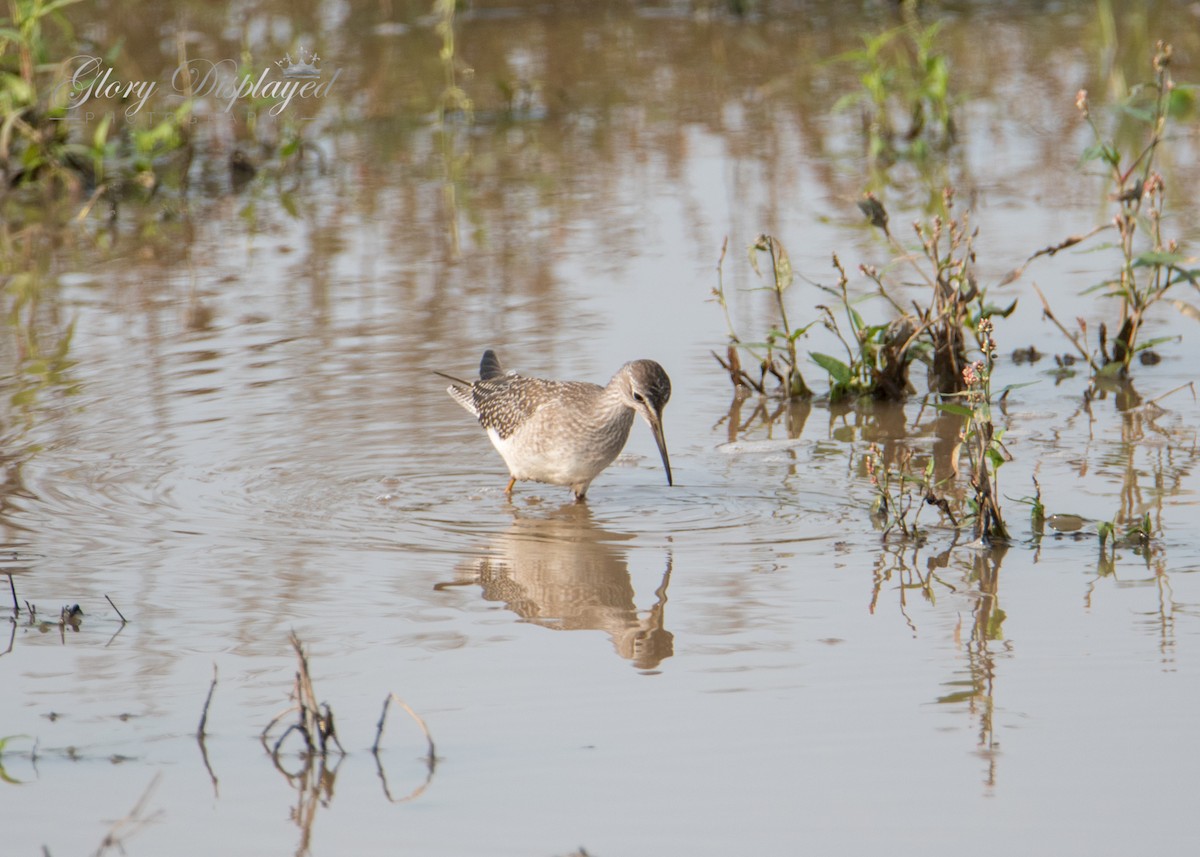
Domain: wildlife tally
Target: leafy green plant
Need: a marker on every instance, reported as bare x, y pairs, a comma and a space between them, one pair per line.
1037, 510
778, 356
904, 92
159, 140
1137, 534
38, 148
938, 331
1151, 264
981, 440
878, 357
33, 144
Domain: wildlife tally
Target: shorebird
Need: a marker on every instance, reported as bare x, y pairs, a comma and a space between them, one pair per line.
563, 432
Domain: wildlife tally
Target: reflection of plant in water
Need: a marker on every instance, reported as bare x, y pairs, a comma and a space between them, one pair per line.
453, 100
793, 413
41, 341
33, 145
902, 78
987, 619
900, 491
892, 562
1149, 267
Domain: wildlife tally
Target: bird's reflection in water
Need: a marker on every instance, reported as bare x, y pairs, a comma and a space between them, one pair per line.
561, 571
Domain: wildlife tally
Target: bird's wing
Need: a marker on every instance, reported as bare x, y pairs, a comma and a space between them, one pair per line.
464, 396
504, 403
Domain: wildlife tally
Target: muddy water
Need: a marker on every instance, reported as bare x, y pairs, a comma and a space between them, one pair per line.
243, 437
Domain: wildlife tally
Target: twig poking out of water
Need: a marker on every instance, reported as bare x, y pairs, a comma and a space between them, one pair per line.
315, 723
134, 821
417, 717
200, 733
430, 758
114, 606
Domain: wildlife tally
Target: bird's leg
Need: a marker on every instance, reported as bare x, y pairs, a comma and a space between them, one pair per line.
508, 490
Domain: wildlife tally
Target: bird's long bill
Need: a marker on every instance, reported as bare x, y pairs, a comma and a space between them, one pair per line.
656, 427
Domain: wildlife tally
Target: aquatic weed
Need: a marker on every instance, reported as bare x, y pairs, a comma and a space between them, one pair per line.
878, 357
938, 330
904, 92
37, 148
780, 359
1150, 266
981, 440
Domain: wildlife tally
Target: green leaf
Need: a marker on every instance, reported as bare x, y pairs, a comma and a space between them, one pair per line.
1010, 387
1181, 103
1142, 114
1158, 340
1159, 259
100, 137
1102, 152
4, 743
990, 310
846, 101
289, 205
1192, 275
1113, 285
837, 370
954, 409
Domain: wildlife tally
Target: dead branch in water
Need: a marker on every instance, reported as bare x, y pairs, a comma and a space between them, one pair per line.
430, 758
124, 621
315, 723
200, 733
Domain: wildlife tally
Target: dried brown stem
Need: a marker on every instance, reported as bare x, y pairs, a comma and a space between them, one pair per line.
200, 733
430, 758
1048, 313
114, 606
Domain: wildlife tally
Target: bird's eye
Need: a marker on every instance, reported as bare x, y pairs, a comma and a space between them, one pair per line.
639, 398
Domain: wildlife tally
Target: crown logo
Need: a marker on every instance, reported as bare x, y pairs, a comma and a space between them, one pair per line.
305, 64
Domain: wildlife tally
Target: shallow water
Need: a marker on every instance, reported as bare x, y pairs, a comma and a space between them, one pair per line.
246, 438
